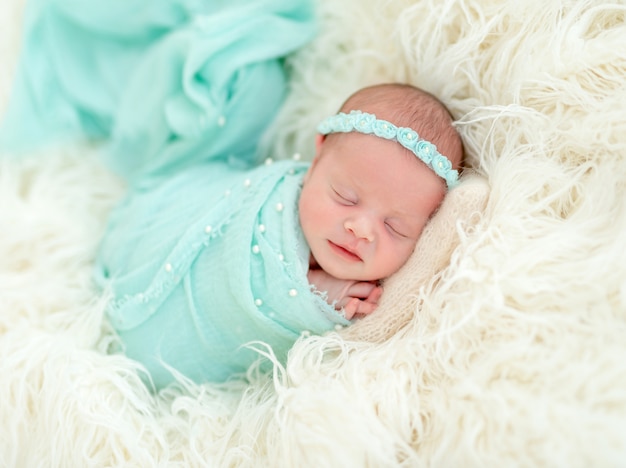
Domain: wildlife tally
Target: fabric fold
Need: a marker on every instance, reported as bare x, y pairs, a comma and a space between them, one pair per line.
163, 84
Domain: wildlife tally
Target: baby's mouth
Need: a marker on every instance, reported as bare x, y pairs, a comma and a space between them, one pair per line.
345, 252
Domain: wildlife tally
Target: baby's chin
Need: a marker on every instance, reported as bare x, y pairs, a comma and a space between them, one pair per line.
347, 274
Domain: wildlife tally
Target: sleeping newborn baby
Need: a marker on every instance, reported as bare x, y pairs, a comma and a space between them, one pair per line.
207, 253
204, 261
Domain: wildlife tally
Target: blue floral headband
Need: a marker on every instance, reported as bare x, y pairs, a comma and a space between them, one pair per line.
357, 121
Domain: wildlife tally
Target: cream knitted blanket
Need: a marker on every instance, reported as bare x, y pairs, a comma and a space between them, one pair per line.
501, 343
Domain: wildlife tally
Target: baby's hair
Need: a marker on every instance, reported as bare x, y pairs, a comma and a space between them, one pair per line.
405, 105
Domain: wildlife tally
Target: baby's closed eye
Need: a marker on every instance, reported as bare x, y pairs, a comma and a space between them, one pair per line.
396, 229
344, 197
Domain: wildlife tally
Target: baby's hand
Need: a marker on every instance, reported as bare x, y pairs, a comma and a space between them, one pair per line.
354, 297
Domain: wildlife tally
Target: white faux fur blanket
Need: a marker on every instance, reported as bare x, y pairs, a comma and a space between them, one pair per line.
514, 354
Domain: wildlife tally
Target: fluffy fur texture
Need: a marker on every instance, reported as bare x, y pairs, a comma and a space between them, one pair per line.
512, 354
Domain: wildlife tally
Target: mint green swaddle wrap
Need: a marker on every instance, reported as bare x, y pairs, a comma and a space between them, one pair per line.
202, 256
196, 280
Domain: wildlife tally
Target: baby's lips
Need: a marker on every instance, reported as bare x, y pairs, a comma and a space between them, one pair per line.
347, 251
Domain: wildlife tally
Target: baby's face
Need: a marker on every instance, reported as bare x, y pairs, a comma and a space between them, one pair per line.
364, 203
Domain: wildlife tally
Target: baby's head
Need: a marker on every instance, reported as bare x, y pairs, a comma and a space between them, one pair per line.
367, 197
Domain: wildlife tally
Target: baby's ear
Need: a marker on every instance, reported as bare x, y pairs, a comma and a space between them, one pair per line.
432, 254
319, 139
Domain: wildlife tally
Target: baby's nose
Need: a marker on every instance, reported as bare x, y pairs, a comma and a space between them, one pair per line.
361, 227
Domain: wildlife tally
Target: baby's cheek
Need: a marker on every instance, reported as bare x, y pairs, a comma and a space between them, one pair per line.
304, 213
309, 216
314, 210
405, 251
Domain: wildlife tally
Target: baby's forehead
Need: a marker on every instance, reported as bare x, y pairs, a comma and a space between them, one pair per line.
390, 152
384, 166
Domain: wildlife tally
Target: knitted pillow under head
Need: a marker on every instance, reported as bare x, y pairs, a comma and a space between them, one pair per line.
432, 254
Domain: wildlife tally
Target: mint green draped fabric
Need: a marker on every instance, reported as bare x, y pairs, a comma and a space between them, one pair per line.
164, 83
205, 253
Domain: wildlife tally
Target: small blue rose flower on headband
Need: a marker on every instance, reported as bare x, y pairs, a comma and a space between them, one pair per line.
362, 122
407, 138
426, 151
384, 129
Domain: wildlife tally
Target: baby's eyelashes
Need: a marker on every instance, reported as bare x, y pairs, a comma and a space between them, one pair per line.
344, 198
398, 231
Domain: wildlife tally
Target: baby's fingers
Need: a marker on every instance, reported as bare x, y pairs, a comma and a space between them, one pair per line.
366, 308
362, 300
375, 295
357, 306
350, 309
